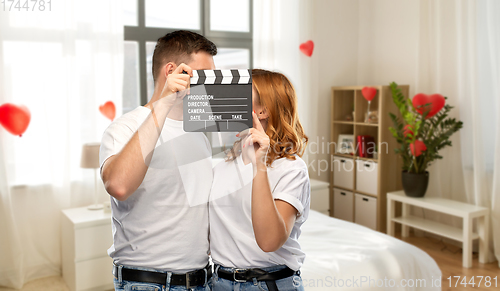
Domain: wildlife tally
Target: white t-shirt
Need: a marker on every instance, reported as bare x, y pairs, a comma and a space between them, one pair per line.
164, 223
232, 240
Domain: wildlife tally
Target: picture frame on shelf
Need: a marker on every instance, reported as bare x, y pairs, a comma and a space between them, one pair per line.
345, 144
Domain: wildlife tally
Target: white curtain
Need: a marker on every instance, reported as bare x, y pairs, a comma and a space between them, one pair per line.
482, 180
459, 56
62, 63
280, 26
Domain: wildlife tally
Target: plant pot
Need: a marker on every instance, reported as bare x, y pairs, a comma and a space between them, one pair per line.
415, 185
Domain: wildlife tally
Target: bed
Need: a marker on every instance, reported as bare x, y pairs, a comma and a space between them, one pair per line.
338, 251
341, 255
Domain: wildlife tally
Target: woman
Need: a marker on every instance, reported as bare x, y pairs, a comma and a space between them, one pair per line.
260, 195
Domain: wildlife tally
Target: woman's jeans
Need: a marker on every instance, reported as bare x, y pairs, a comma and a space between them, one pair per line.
292, 283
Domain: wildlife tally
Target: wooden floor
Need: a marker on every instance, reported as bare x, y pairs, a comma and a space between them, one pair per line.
449, 260
55, 283
43, 284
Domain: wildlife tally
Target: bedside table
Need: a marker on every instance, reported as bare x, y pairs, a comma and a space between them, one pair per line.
320, 196
86, 237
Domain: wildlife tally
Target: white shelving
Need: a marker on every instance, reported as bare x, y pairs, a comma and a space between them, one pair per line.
433, 227
465, 211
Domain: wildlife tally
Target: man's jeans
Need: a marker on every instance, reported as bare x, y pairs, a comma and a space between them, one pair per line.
122, 285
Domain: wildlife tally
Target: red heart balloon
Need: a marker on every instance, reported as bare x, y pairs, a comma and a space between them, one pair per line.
436, 101
15, 119
417, 148
108, 109
369, 93
307, 48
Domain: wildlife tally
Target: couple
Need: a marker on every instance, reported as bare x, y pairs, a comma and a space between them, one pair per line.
161, 179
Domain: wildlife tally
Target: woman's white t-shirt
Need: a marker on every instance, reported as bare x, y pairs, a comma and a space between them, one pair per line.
232, 240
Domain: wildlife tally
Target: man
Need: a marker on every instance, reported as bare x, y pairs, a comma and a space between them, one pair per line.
160, 178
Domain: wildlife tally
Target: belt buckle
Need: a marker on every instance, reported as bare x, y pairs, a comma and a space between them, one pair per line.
238, 271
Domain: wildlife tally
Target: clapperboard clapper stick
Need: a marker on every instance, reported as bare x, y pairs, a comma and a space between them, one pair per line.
219, 101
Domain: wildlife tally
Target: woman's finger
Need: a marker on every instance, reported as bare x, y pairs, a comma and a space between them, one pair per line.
261, 139
247, 140
245, 132
256, 122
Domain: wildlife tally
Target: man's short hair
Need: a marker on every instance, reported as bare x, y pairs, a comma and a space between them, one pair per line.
177, 47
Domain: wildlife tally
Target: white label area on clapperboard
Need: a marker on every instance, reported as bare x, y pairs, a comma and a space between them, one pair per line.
219, 101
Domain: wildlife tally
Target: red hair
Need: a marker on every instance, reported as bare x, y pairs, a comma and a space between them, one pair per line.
286, 135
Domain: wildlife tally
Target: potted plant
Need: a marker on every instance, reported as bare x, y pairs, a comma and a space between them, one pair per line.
422, 131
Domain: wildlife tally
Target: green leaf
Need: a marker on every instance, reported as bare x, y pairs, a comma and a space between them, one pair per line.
394, 132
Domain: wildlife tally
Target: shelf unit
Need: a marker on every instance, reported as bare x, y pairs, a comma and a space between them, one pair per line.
465, 234
369, 187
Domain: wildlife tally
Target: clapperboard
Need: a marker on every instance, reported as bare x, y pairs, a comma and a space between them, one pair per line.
219, 101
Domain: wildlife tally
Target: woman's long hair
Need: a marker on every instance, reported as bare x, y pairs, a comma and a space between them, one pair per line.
286, 135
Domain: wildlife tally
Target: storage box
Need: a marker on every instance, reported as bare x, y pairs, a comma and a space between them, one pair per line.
343, 172
367, 177
343, 204
365, 209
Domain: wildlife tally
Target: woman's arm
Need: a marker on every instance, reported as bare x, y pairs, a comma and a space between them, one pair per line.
272, 220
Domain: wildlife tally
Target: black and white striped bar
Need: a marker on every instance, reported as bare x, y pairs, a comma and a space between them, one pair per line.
219, 101
211, 77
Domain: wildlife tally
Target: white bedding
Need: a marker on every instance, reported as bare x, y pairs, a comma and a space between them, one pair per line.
340, 253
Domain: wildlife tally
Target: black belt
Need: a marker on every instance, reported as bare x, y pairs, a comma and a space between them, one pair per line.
189, 279
245, 275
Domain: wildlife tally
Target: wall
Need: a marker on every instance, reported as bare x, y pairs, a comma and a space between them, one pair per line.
335, 33
388, 42
358, 42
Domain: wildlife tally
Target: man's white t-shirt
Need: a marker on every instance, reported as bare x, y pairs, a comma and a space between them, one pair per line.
164, 223
232, 239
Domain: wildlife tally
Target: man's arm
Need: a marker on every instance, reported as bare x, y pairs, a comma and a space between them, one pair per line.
124, 172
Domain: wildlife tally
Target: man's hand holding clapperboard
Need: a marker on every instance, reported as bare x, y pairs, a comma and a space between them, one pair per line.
218, 101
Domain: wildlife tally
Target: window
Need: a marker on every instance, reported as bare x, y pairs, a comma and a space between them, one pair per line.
228, 23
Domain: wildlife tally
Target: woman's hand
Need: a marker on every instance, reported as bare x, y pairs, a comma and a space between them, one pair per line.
257, 137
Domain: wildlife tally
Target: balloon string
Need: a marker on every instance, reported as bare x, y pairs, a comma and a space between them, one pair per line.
368, 112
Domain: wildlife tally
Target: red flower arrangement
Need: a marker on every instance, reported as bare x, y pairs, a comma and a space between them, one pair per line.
423, 130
